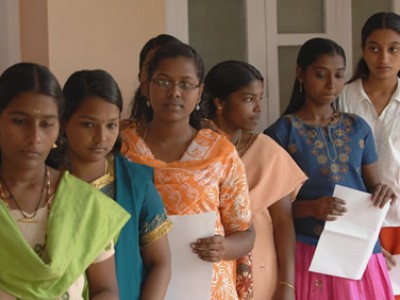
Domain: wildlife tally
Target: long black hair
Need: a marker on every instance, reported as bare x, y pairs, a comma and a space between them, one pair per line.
308, 54
224, 79
381, 20
145, 113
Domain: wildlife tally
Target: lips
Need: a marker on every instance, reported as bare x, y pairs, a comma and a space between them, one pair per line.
31, 152
98, 149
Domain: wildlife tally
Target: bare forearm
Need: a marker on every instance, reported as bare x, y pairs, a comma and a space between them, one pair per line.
156, 283
302, 209
239, 243
105, 295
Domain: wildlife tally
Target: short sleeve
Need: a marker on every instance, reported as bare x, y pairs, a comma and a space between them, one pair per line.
153, 221
105, 254
278, 132
369, 155
234, 196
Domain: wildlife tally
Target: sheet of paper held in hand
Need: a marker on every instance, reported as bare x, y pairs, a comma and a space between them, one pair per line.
191, 277
346, 244
394, 275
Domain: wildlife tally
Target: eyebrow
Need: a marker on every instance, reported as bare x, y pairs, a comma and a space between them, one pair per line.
25, 114
95, 119
183, 77
391, 43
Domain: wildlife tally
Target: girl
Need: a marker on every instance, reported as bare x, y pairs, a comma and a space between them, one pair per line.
92, 112
332, 148
140, 99
374, 94
195, 170
54, 226
233, 99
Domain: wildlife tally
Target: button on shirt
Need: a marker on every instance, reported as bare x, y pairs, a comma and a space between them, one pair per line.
386, 130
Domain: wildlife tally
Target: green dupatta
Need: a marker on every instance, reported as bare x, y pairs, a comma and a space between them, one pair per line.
81, 223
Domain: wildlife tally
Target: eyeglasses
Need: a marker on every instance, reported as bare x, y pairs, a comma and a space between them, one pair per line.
167, 84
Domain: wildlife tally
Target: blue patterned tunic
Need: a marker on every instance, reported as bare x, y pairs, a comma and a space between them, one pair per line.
329, 155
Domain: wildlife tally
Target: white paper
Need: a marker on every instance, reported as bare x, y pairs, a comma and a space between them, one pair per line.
191, 277
394, 275
346, 244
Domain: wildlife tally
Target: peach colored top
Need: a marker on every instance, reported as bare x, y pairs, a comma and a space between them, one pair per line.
209, 177
272, 174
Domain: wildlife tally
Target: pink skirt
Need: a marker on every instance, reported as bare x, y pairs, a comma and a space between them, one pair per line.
374, 285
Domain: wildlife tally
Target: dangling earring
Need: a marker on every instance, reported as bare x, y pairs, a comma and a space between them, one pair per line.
148, 103
300, 87
197, 107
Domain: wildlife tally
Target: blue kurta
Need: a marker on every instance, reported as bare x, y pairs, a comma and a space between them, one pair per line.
328, 155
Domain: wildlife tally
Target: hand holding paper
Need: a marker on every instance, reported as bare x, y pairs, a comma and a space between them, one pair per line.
346, 244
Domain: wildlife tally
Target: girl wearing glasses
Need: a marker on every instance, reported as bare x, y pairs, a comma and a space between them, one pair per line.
196, 171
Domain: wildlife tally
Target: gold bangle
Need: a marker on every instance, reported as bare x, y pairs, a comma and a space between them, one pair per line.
287, 284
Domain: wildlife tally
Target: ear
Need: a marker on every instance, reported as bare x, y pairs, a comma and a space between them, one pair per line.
144, 89
299, 74
219, 105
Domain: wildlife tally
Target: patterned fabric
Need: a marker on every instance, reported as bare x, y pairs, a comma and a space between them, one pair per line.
209, 177
328, 155
131, 185
266, 164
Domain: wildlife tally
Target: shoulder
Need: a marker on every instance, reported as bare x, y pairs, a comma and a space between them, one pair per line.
139, 170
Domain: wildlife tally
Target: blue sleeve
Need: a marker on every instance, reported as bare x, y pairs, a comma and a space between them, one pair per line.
153, 220
369, 155
278, 131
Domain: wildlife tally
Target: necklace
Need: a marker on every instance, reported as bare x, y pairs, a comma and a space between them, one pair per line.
26, 218
238, 140
242, 150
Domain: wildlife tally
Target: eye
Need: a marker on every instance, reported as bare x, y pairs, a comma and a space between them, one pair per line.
87, 124
162, 82
112, 125
339, 75
47, 124
394, 49
187, 85
19, 121
321, 74
373, 49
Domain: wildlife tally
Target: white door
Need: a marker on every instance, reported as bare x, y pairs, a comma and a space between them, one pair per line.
272, 31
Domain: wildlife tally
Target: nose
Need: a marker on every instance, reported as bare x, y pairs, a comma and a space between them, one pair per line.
383, 56
331, 81
174, 90
34, 136
258, 105
100, 135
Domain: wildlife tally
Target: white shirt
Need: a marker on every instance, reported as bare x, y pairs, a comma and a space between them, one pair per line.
386, 130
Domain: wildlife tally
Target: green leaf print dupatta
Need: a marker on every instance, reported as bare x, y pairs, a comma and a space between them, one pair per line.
81, 223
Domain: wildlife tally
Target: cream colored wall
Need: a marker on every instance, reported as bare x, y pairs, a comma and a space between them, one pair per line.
104, 34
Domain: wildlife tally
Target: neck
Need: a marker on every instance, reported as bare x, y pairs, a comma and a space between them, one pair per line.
386, 86
87, 171
168, 130
233, 132
15, 175
316, 114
